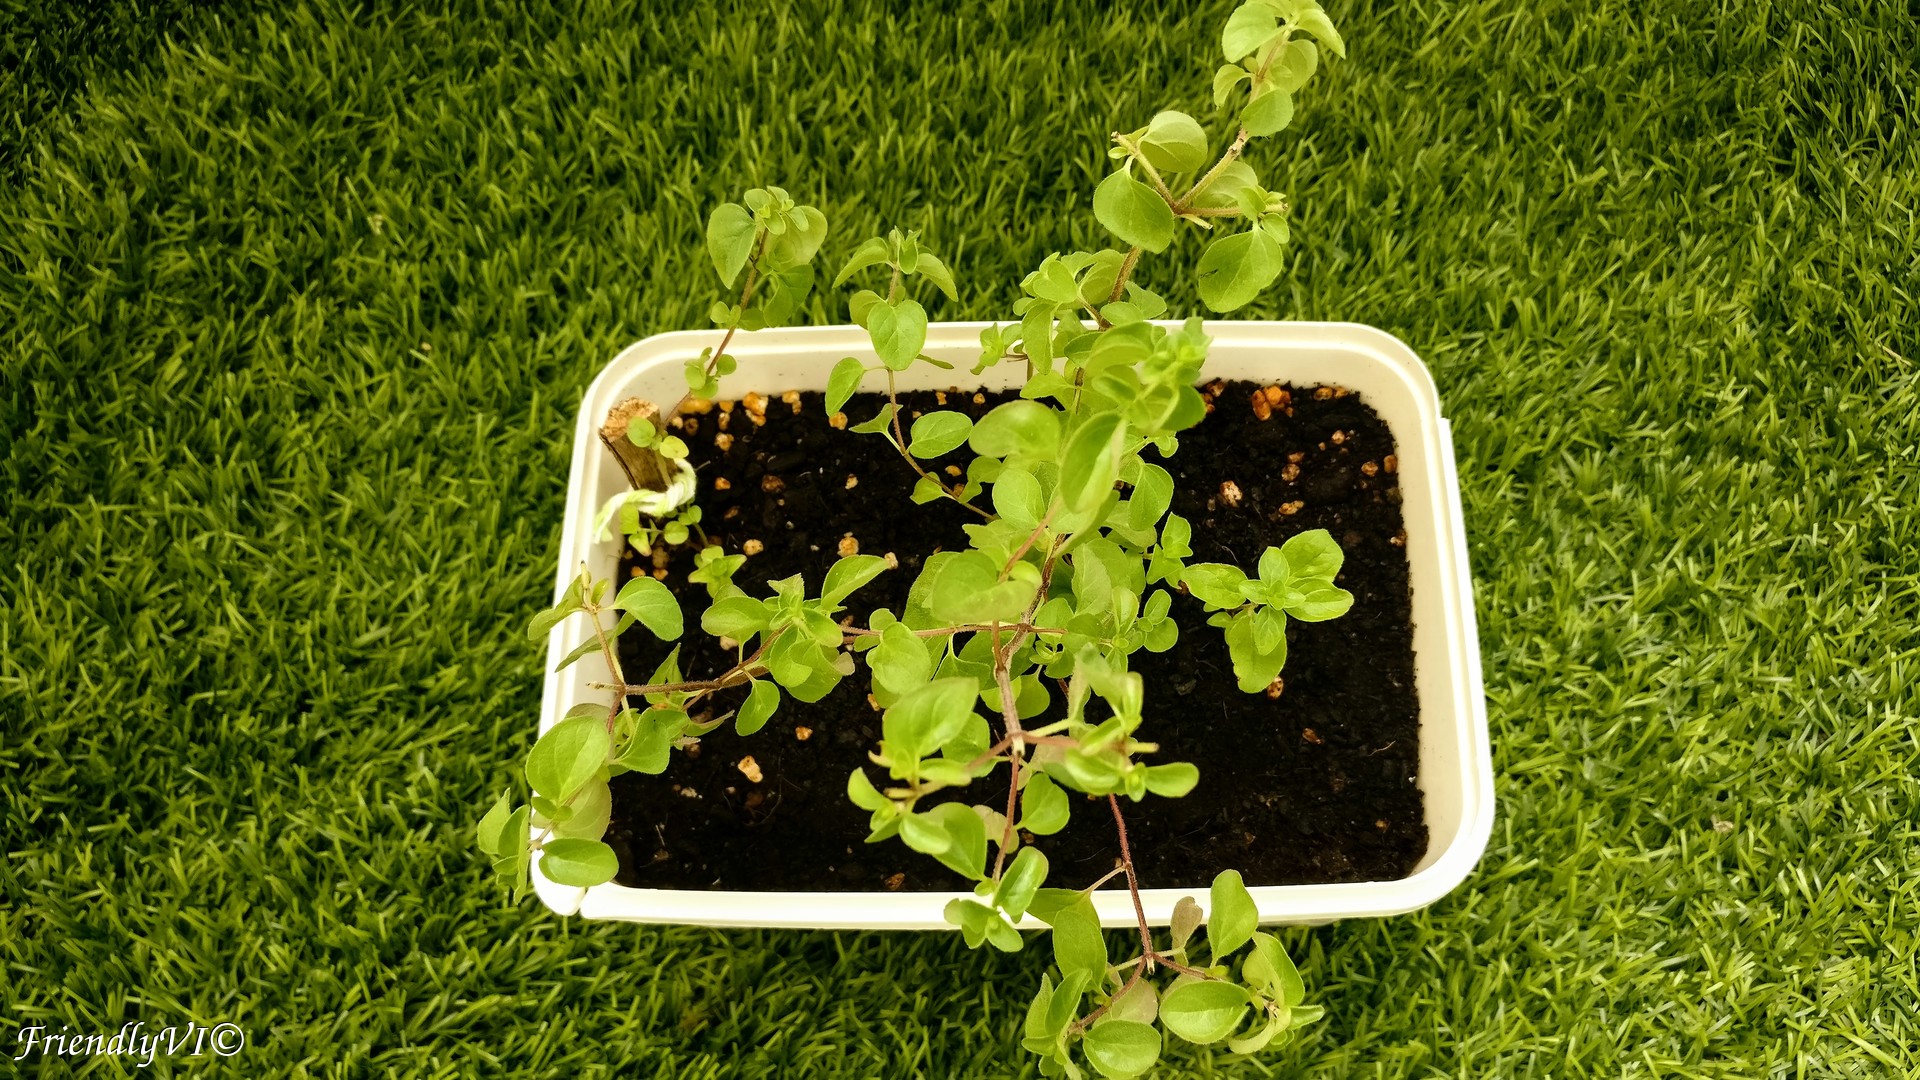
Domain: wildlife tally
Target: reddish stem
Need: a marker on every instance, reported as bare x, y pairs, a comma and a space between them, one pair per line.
1133, 883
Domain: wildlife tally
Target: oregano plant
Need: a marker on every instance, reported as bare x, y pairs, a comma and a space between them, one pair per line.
1009, 706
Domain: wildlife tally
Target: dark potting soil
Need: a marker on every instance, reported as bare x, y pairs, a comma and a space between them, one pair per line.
1318, 784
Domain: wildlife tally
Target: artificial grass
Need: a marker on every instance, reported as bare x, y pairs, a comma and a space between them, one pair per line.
292, 325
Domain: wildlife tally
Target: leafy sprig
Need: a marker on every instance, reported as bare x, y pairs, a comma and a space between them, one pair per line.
1074, 567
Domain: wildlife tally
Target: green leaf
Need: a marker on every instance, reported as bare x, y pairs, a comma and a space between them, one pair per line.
1133, 212
1187, 918
900, 662
1218, 585
1017, 427
861, 304
569, 603
1249, 27
1227, 185
592, 810
654, 605
1270, 970
1036, 1025
926, 489
1268, 112
1176, 538
516, 849
1235, 269
650, 748
1269, 630
924, 720
819, 626
924, 835
492, 829
758, 708
583, 863
936, 433
736, 617
1036, 340
973, 741
730, 232
936, 271
899, 332
880, 422
1021, 881
848, 575
844, 382
1294, 66
1043, 806
569, 755
1048, 903
1152, 495
1174, 142
1255, 668
1173, 779
1319, 602
794, 248
592, 644
979, 923
1313, 19
1231, 916
1091, 462
1311, 555
1017, 498
801, 665
1002, 935
1253, 1044
872, 252
863, 794
966, 849
786, 290
1122, 1048
1078, 946
1225, 79
1140, 1004
967, 588
1101, 570
1203, 1012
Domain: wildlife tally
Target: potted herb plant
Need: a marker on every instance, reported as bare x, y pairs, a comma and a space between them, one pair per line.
882, 643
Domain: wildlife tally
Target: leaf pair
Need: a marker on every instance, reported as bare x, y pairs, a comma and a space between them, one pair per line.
786, 235
1296, 579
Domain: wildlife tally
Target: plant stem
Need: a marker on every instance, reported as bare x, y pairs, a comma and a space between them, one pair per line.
1149, 956
1182, 205
1086, 1021
613, 664
1146, 166
967, 628
1027, 738
900, 444
1011, 713
1226, 159
1027, 544
1126, 271
746, 296
1133, 883
745, 671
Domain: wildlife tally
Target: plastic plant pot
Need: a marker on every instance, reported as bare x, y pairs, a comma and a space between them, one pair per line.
1455, 770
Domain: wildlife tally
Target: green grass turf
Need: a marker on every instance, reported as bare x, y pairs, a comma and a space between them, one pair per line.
293, 318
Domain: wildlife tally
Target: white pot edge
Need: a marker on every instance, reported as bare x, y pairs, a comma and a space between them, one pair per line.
1388, 375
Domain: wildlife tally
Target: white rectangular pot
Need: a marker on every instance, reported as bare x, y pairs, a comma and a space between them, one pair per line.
1456, 768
